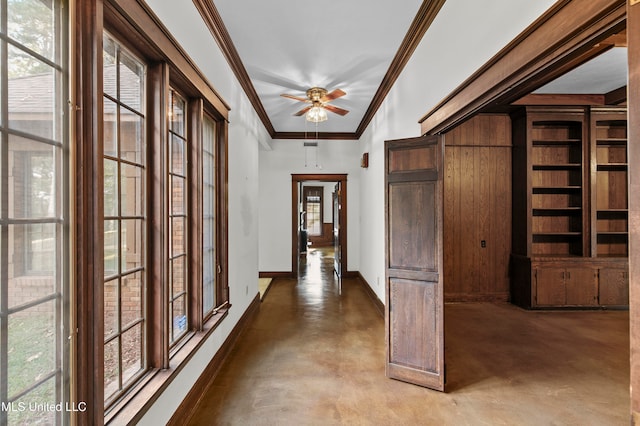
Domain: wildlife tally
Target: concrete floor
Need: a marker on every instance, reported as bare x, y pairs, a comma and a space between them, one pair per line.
315, 357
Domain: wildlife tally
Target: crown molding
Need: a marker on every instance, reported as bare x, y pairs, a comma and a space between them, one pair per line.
423, 19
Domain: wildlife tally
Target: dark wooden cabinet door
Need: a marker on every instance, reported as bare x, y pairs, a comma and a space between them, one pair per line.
614, 287
414, 314
337, 255
582, 286
550, 286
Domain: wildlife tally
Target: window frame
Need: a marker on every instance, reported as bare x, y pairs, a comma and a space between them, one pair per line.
168, 66
60, 219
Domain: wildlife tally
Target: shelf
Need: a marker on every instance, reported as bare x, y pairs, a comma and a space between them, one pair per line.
556, 142
559, 211
556, 189
612, 141
567, 166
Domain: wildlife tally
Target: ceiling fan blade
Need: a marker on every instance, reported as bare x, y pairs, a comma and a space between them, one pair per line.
333, 95
302, 111
295, 98
336, 109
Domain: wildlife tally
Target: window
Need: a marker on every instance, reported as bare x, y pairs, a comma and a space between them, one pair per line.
177, 182
313, 196
34, 313
209, 261
125, 241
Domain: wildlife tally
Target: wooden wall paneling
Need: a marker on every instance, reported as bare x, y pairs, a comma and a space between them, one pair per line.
633, 40
477, 207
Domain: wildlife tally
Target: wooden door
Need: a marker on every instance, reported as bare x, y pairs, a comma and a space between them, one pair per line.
581, 286
414, 312
550, 286
337, 259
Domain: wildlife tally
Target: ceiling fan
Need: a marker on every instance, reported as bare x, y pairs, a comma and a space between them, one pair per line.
319, 99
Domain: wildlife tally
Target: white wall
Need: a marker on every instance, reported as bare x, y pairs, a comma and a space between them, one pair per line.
276, 167
245, 132
327, 198
446, 56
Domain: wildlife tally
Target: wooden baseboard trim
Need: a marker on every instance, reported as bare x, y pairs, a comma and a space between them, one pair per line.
470, 298
372, 295
282, 274
351, 274
185, 410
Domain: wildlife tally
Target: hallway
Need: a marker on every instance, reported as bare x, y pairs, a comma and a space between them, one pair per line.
313, 356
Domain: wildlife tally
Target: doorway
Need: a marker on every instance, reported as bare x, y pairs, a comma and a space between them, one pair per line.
337, 200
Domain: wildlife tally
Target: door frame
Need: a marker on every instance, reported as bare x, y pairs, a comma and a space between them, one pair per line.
296, 180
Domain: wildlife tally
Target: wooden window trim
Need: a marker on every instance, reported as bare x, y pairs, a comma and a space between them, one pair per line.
125, 20
305, 192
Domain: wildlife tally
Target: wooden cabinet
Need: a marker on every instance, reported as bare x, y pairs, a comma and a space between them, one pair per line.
570, 217
570, 286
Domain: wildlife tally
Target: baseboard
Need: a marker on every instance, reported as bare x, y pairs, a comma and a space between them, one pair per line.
185, 410
501, 297
372, 295
281, 274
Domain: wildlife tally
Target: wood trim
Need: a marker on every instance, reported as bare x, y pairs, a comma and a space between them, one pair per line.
312, 135
158, 93
88, 377
213, 21
377, 303
149, 26
188, 406
616, 97
267, 274
422, 21
633, 146
560, 99
476, 298
561, 39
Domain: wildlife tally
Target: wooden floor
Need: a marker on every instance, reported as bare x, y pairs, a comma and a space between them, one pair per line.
316, 357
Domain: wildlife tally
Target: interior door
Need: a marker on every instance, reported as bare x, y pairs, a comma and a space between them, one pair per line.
337, 256
414, 312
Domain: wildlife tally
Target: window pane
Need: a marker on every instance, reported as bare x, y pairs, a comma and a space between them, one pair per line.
131, 353
178, 272
132, 244
131, 136
177, 114
177, 236
178, 161
208, 216
32, 260
46, 392
32, 96
110, 188
178, 201
33, 169
111, 255
110, 130
178, 314
132, 187
111, 368
131, 81
109, 70
132, 307
31, 23
110, 308
32, 354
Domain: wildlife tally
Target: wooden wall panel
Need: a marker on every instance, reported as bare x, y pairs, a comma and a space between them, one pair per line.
477, 207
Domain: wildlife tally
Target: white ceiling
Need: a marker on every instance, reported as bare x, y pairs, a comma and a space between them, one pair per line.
288, 46
601, 75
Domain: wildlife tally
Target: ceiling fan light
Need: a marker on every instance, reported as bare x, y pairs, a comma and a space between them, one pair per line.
317, 114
